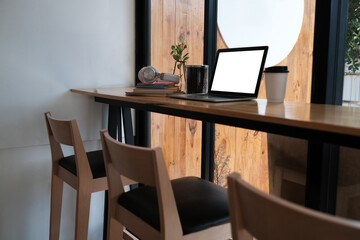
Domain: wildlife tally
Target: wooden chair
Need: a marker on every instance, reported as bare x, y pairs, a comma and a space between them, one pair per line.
185, 208
256, 214
85, 172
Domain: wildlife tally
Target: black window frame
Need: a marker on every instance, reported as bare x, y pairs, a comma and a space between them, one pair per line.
327, 84
327, 88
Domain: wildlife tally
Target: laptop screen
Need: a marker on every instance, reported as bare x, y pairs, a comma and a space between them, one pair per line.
239, 70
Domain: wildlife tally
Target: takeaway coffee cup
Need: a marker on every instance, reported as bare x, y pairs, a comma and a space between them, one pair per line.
275, 83
196, 78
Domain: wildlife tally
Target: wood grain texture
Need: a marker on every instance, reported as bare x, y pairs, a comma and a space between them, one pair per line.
286, 156
271, 218
67, 132
318, 117
122, 160
180, 138
254, 147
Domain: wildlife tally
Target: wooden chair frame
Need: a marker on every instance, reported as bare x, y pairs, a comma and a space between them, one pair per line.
126, 164
265, 217
67, 133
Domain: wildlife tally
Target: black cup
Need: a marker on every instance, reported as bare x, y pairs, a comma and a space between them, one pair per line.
196, 78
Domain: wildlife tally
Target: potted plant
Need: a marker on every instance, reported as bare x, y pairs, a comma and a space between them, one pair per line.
177, 52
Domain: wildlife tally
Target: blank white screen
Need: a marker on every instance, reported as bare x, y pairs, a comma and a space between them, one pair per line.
237, 71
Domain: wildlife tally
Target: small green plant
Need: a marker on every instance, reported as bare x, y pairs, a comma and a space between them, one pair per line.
177, 51
352, 52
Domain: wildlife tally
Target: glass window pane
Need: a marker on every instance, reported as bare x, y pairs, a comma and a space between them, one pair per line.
351, 92
348, 191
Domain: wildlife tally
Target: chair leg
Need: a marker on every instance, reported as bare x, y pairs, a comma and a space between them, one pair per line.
82, 213
115, 229
55, 207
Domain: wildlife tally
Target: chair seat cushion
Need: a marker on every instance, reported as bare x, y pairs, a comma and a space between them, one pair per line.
96, 162
201, 204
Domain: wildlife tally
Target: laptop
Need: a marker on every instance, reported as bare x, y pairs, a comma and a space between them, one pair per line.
236, 76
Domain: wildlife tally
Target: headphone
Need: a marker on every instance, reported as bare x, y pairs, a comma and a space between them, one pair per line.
149, 74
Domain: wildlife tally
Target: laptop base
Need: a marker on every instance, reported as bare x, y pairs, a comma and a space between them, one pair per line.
209, 98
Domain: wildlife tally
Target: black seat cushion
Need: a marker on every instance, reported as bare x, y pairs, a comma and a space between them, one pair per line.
201, 204
96, 162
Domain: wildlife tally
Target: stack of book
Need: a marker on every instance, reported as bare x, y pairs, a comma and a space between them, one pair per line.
157, 88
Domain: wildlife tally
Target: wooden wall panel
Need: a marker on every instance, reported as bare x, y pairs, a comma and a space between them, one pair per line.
237, 149
248, 152
255, 155
180, 138
300, 59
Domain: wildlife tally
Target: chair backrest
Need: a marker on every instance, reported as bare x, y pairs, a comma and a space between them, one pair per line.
268, 217
141, 166
67, 132
146, 166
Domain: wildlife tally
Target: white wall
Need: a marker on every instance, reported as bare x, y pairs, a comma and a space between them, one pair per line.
275, 23
46, 48
351, 90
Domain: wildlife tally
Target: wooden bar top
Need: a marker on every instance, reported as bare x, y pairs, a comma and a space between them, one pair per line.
328, 118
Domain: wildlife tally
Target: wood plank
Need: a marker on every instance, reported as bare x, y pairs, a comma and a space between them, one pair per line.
162, 32
225, 152
318, 117
156, 42
180, 138
168, 36
193, 153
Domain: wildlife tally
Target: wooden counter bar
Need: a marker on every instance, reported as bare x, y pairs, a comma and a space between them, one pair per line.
315, 122
335, 124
